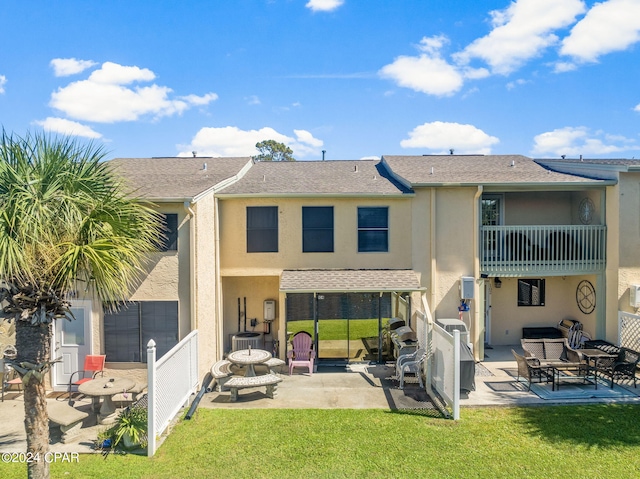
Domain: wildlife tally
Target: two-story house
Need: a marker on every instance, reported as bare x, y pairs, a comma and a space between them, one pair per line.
337, 248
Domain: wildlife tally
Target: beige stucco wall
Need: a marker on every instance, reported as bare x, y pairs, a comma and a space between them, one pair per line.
235, 260
629, 238
549, 207
444, 247
508, 319
204, 288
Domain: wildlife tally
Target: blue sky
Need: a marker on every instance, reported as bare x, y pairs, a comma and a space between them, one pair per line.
357, 78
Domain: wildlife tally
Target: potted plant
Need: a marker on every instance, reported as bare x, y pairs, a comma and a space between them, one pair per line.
130, 430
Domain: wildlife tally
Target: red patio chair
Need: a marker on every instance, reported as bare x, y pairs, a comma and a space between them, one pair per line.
93, 365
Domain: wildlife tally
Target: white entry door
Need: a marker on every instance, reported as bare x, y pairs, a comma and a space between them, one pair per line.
72, 342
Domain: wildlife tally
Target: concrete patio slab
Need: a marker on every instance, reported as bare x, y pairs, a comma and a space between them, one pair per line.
357, 386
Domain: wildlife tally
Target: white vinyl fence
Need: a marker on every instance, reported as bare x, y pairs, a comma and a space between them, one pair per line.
629, 330
171, 381
442, 367
445, 367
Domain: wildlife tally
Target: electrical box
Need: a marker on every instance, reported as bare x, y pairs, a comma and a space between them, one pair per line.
634, 295
269, 310
467, 284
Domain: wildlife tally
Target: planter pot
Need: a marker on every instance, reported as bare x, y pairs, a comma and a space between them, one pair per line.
128, 443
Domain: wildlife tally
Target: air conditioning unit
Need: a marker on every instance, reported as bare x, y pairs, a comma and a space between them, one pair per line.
634, 295
467, 284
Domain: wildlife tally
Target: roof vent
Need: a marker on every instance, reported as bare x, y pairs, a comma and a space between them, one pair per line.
513, 163
264, 177
204, 166
194, 153
355, 168
451, 150
431, 171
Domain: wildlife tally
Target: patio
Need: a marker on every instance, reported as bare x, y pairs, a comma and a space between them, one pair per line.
358, 386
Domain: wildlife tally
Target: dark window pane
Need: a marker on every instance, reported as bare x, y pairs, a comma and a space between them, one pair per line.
262, 229
373, 217
122, 334
531, 292
372, 241
159, 320
317, 229
300, 306
317, 217
317, 241
169, 241
127, 331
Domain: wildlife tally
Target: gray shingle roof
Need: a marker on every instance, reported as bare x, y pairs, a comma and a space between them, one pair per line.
338, 280
475, 170
593, 161
358, 177
175, 178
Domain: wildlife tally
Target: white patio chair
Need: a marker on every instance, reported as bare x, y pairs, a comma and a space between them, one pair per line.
412, 364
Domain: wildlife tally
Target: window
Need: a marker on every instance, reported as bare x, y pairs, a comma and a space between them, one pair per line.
531, 292
373, 229
127, 331
262, 229
317, 229
169, 241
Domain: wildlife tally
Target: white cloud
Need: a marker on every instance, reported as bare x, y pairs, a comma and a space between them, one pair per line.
232, 141
113, 74
519, 82
637, 108
442, 136
323, 5
562, 67
521, 32
253, 100
609, 26
426, 73
104, 98
303, 136
3, 82
63, 67
580, 140
199, 100
67, 127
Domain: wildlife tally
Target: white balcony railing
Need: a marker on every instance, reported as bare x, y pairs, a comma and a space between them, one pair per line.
550, 250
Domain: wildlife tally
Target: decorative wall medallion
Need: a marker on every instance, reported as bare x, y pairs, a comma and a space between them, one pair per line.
586, 210
586, 297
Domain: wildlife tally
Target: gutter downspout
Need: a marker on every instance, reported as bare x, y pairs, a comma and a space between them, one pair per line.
218, 294
478, 346
193, 277
432, 247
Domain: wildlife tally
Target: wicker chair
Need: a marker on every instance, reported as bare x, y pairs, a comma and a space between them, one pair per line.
531, 370
621, 367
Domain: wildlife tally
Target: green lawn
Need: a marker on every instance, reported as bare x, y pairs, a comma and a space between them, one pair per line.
336, 329
595, 441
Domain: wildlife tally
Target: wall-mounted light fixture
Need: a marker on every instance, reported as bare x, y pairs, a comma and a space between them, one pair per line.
497, 283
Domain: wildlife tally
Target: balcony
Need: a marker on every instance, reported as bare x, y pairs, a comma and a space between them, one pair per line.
542, 250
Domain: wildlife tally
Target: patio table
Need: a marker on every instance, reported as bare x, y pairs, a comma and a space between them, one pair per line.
106, 388
249, 357
594, 354
575, 371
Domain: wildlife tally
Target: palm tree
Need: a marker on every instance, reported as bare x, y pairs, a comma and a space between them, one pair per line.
65, 222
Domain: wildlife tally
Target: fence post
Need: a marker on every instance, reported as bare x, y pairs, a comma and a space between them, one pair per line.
456, 374
151, 398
